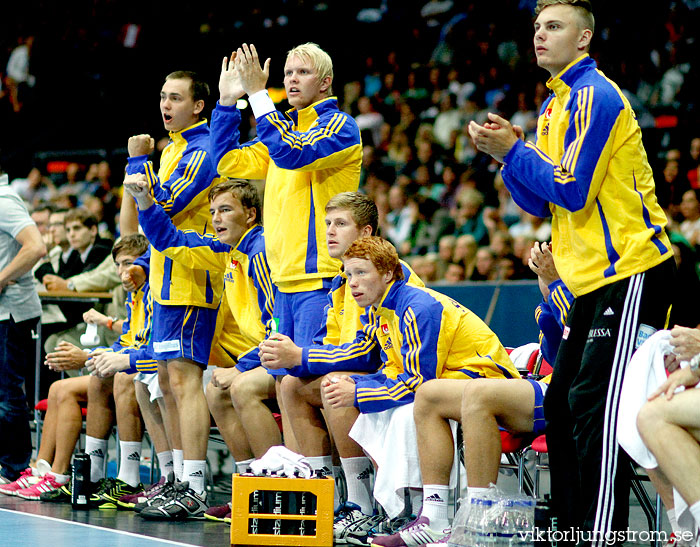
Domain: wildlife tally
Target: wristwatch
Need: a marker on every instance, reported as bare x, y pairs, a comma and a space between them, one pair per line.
70, 285
695, 364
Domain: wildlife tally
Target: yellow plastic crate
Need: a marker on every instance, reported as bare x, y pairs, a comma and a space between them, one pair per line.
286, 527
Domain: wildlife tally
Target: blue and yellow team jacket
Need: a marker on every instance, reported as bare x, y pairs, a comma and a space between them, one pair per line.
136, 332
249, 292
551, 317
589, 170
306, 156
427, 335
342, 314
180, 188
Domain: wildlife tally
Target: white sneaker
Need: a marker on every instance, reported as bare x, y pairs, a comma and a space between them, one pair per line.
353, 526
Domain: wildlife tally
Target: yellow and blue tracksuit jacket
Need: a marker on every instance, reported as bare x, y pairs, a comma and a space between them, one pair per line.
551, 317
306, 156
181, 187
136, 332
249, 292
429, 336
342, 314
590, 172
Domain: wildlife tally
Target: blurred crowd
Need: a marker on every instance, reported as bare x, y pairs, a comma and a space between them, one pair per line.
430, 68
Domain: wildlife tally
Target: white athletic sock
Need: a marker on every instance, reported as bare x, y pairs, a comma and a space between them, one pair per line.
672, 519
326, 463
165, 461
474, 492
59, 478
97, 450
42, 467
358, 476
130, 462
435, 498
178, 459
242, 466
193, 471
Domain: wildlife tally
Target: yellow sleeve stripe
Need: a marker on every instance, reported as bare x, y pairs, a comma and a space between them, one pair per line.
191, 167
355, 350
561, 303
190, 174
263, 274
412, 358
361, 348
311, 137
562, 177
364, 394
539, 152
151, 177
582, 122
399, 387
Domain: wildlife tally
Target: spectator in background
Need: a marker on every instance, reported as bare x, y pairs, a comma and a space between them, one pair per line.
35, 187
448, 122
446, 249
19, 80
671, 186
396, 226
531, 226
41, 215
694, 163
369, 120
454, 274
501, 243
690, 211
484, 265
465, 253
97, 209
432, 222
399, 152
21, 246
468, 215
525, 116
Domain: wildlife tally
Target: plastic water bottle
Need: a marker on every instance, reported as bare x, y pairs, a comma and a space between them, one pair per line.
487, 527
524, 523
474, 522
460, 536
505, 516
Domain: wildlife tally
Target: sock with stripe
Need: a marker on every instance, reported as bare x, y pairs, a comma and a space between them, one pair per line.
358, 476
130, 462
97, 450
325, 463
165, 461
193, 472
178, 459
435, 498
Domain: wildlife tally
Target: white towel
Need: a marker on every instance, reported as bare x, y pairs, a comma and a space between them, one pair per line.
389, 438
279, 458
645, 372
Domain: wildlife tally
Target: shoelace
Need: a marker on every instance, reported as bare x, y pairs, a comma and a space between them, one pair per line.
347, 517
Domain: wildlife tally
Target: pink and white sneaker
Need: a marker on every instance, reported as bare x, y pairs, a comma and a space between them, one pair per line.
46, 484
27, 478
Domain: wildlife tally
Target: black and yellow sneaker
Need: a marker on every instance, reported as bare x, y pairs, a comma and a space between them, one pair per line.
109, 491
60, 495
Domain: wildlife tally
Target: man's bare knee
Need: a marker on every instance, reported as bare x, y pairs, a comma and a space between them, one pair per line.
649, 419
475, 396
428, 398
291, 389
